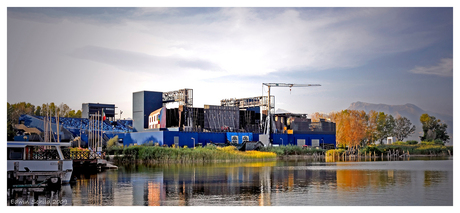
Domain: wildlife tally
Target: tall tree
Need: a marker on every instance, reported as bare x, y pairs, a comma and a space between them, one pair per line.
403, 128
371, 129
38, 111
433, 129
350, 127
385, 126
64, 110
318, 115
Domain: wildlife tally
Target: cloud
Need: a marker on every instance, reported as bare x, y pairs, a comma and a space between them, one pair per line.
251, 41
444, 68
134, 61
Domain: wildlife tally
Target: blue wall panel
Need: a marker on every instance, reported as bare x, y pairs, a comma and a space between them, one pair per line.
280, 139
240, 136
169, 137
185, 139
141, 138
215, 137
323, 138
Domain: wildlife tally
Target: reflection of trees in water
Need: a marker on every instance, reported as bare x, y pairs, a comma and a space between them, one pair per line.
354, 180
434, 177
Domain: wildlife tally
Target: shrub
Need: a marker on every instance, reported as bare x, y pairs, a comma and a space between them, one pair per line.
438, 142
112, 142
399, 143
412, 142
427, 142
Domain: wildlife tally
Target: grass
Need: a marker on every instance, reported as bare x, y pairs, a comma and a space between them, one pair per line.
292, 150
208, 153
415, 149
334, 152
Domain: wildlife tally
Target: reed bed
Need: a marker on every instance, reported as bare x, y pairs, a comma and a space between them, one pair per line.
334, 152
416, 149
208, 153
292, 150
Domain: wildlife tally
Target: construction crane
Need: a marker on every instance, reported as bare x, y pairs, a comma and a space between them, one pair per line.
269, 85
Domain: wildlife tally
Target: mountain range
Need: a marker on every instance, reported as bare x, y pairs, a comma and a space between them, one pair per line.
410, 111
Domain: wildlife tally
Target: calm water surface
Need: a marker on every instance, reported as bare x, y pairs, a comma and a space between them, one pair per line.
415, 182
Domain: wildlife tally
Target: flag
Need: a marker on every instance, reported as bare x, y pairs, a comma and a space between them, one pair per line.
103, 114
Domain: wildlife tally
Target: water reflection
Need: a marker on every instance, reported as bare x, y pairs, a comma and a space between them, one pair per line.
268, 184
40, 197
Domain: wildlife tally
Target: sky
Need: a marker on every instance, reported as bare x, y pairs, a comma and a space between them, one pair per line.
102, 55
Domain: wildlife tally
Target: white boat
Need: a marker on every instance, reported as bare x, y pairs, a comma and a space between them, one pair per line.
35, 162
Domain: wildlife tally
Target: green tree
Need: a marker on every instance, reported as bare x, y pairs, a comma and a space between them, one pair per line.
13, 113
64, 110
385, 126
433, 129
38, 111
78, 114
9, 124
73, 114
403, 128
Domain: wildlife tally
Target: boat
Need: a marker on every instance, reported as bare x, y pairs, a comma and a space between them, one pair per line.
36, 164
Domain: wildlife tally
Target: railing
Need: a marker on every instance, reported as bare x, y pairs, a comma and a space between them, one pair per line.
82, 155
46, 155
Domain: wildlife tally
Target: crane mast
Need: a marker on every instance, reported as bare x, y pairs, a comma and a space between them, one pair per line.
269, 85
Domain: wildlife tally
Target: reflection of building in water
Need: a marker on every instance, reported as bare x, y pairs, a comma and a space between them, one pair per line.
43, 197
155, 192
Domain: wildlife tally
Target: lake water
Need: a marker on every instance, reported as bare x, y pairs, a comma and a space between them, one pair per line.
414, 182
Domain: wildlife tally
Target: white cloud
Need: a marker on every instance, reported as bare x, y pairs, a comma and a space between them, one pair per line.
444, 68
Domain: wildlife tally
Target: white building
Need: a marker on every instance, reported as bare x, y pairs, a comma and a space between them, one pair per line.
154, 123
390, 140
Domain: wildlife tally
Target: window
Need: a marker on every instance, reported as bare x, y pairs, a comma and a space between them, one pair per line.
15, 153
234, 139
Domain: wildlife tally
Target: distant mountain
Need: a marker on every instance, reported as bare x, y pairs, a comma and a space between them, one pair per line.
410, 111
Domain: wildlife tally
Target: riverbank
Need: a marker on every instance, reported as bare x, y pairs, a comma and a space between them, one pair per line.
181, 155
157, 154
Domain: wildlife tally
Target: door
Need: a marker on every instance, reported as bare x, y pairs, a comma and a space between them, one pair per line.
176, 141
300, 142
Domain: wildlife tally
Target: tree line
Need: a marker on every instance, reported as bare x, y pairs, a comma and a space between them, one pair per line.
357, 128
51, 109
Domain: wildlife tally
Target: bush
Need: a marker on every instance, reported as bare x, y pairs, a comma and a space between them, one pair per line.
112, 142
427, 143
400, 143
291, 150
412, 142
438, 142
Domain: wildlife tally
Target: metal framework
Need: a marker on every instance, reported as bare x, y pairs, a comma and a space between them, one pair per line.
183, 96
243, 103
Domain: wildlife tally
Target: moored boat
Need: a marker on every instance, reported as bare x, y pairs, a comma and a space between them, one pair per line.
36, 163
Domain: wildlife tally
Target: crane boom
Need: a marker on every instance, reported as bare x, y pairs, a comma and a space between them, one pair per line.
269, 120
289, 85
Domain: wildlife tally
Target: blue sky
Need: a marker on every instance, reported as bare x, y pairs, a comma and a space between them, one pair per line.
376, 55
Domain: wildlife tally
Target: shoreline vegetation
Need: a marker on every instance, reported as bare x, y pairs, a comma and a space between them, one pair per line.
211, 153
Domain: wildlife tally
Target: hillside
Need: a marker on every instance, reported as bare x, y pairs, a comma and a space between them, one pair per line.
410, 111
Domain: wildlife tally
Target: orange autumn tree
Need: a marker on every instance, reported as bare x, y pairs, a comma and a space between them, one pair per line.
351, 127
318, 115
371, 130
